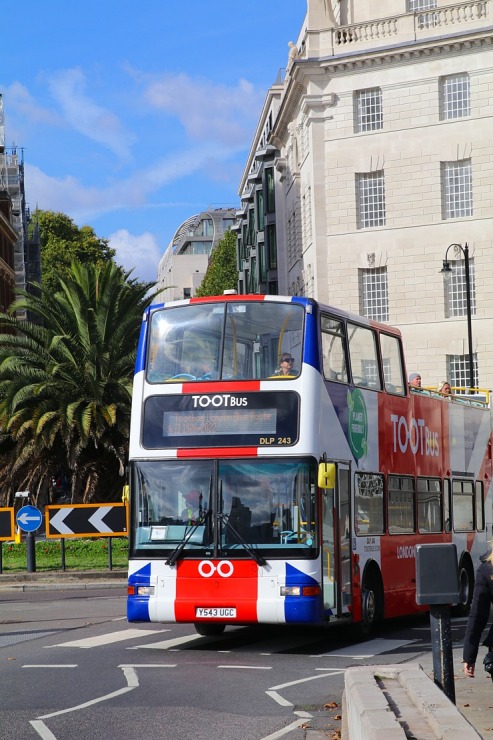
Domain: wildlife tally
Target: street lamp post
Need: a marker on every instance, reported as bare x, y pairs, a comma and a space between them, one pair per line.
447, 270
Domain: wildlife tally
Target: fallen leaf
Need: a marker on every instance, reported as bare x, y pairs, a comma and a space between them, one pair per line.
331, 705
337, 716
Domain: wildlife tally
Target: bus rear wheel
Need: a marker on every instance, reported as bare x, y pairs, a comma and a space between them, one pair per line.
466, 587
371, 603
209, 630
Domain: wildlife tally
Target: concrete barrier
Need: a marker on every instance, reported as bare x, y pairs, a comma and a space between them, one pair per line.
398, 702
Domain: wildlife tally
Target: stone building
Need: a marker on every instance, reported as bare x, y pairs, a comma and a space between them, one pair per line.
377, 145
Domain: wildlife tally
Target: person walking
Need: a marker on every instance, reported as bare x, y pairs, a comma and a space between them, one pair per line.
478, 617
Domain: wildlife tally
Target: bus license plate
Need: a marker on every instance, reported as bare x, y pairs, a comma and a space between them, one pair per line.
216, 611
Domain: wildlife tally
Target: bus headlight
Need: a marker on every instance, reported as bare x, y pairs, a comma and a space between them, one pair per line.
290, 590
300, 590
145, 591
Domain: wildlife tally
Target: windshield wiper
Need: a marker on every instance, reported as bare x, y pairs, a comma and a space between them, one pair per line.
250, 550
175, 555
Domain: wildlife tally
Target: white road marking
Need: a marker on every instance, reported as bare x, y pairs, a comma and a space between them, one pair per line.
367, 650
42, 730
132, 683
286, 730
166, 644
249, 667
332, 672
107, 639
279, 699
50, 665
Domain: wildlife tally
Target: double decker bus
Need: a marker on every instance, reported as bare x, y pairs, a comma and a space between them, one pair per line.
296, 498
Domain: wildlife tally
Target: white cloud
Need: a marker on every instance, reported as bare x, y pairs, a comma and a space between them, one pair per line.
68, 87
139, 253
208, 111
19, 99
68, 195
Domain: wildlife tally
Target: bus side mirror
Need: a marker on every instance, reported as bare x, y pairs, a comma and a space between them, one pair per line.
326, 475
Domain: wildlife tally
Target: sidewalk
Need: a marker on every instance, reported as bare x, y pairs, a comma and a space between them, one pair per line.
62, 580
474, 696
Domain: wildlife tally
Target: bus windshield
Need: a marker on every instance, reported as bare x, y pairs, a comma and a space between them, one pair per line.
228, 341
224, 507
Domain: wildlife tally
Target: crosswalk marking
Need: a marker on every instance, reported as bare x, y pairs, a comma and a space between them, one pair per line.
167, 644
107, 639
366, 650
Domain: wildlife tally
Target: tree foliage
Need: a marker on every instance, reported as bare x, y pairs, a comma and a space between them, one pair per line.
65, 384
63, 242
222, 271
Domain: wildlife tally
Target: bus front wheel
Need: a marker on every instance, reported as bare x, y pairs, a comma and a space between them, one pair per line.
209, 630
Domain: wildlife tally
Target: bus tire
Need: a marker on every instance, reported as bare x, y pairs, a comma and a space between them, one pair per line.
209, 630
371, 601
466, 587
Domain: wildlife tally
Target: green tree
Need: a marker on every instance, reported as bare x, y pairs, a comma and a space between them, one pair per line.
63, 242
65, 385
222, 271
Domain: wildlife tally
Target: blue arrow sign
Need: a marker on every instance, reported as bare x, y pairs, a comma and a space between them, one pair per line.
29, 518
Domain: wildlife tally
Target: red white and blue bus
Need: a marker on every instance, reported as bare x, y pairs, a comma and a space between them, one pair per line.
298, 498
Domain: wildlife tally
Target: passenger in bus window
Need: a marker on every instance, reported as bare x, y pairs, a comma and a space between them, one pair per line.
444, 389
478, 617
286, 365
193, 512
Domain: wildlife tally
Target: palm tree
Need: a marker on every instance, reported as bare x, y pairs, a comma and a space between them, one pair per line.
66, 383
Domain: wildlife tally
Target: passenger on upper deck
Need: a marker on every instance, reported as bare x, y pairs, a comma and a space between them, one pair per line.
415, 381
286, 366
444, 389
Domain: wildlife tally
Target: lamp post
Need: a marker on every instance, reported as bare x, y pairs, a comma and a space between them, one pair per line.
447, 270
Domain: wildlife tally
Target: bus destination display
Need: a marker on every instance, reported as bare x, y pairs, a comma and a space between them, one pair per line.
219, 419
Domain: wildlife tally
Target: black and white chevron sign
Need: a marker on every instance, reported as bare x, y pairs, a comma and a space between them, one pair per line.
86, 520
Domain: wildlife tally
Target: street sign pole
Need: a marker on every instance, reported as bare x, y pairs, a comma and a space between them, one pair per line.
29, 519
31, 552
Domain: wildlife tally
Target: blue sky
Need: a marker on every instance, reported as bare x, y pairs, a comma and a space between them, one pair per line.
134, 116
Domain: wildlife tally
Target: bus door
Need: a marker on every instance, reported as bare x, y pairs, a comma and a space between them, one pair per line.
336, 542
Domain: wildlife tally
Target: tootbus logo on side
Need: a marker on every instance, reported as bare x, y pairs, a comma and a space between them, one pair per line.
414, 435
223, 400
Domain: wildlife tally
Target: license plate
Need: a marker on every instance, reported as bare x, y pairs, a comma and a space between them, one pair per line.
216, 611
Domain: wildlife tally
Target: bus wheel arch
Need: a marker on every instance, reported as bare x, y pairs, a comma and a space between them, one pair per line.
372, 599
466, 585
209, 629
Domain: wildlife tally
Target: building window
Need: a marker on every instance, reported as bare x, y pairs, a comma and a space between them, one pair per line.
269, 185
457, 189
370, 190
374, 297
427, 20
455, 96
458, 370
262, 262
415, 5
272, 247
260, 210
368, 110
455, 289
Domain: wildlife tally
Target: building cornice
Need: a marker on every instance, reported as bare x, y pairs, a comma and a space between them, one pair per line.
403, 53
305, 70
